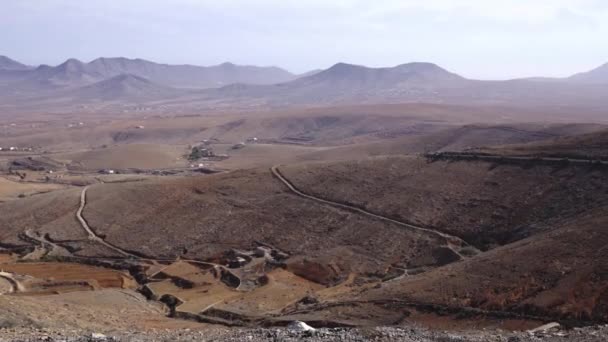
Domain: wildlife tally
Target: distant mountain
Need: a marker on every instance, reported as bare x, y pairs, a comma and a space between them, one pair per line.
413, 82
125, 87
189, 76
597, 75
11, 65
348, 83
68, 74
74, 73
361, 76
232, 86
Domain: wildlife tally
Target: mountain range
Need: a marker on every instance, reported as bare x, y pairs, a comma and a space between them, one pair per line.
137, 81
74, 72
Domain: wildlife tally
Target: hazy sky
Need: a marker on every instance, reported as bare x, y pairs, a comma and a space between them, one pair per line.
476, 38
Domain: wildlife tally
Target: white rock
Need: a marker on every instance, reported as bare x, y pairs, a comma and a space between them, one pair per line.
545, 328
300, 326
98, 336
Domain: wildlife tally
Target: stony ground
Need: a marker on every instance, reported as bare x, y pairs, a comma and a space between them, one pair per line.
589, 334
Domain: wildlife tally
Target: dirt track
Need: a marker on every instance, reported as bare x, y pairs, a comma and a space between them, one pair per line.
15, 285
92, 235
452, 240
98, 239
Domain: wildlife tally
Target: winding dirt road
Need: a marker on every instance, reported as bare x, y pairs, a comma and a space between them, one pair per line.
94, 237
451, 239
90, 232
15, 285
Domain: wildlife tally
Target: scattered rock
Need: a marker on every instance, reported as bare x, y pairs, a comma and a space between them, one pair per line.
300, 331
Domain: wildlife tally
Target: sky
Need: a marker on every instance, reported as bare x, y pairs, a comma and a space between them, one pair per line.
485, 39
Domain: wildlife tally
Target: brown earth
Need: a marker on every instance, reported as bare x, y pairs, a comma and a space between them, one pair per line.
560, 272
593, 145
11, 189
106, 311
240, 248
201, 217
486, 204
136, 156
69, 272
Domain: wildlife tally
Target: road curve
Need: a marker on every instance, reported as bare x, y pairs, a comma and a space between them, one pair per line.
450, 238
94, 237
90, 232
15, 285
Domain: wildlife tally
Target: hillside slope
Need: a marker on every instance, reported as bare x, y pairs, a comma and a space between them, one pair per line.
485, 204
123, 87
560, 273
597, 75
591, 145
10, 64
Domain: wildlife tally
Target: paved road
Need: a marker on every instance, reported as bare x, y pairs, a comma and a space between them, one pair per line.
451, 239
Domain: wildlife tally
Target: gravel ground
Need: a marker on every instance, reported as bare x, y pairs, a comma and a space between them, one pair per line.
597, 333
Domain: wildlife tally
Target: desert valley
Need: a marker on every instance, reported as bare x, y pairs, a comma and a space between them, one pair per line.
233, 200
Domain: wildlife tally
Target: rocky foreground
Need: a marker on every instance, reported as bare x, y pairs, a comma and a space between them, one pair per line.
596, 333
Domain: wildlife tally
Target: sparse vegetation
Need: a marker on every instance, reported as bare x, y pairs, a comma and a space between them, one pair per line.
199, 152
